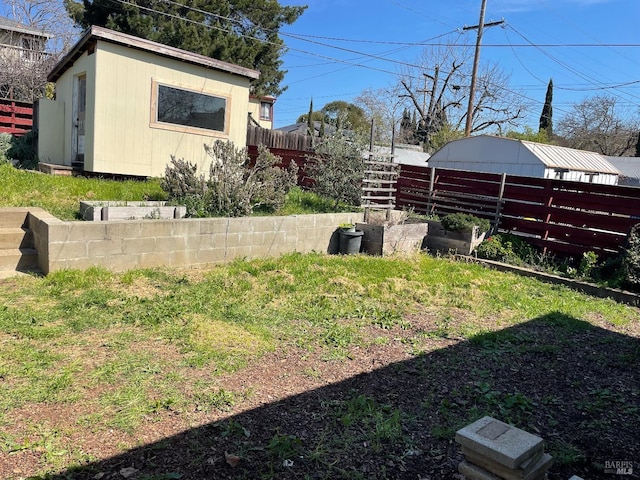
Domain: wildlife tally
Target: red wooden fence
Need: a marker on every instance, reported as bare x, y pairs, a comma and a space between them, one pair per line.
563, 217
16, 117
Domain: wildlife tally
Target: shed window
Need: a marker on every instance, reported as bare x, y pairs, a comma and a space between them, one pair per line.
178, 106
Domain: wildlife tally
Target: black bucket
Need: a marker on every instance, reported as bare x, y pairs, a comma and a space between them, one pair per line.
350, 241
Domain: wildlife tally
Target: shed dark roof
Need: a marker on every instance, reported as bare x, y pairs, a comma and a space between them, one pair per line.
95, 33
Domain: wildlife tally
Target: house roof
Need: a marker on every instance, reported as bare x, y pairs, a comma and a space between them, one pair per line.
512, 151
628, 166
404, 155
13, 26
569, 158
95, 33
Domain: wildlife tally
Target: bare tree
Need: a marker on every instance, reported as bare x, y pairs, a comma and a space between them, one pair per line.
384, 106
24, 69
600, 124
438, 87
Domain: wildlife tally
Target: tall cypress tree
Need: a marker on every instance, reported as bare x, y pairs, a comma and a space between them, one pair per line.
546, 119
310, 126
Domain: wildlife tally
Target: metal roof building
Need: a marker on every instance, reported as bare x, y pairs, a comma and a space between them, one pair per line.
491, 154
630, 168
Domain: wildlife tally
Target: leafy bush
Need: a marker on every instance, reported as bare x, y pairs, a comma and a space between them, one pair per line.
337, 168
5, 144
24, 150
233, 188
631, 258
507, 248
464, 222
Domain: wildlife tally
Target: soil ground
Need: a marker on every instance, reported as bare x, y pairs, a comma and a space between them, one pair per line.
385, 411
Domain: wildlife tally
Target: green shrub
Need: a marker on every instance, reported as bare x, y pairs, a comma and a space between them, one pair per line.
464, 222
507, 248
24, 150
631, 258
5, 144
588, 264
233, 188
337, 168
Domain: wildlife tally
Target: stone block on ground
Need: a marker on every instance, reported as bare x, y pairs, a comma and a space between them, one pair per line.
532, 469
499, 442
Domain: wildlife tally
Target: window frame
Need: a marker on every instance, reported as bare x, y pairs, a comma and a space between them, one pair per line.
176, 127
270, 108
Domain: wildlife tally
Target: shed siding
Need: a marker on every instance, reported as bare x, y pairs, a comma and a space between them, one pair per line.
64, 95
492, 154
125, 142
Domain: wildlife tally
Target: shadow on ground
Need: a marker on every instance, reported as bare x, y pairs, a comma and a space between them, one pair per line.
574, 384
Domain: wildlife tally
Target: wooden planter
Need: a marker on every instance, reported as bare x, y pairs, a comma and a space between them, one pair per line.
390, 239
443, 241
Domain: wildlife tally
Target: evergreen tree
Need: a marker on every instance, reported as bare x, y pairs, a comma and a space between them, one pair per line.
243, 32
546, 119
310, 126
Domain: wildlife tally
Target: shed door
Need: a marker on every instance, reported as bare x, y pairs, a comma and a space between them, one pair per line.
80, 111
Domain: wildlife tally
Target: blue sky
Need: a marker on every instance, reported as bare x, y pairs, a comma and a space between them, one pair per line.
588, 47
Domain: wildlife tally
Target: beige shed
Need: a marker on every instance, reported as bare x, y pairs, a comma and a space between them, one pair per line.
125, 106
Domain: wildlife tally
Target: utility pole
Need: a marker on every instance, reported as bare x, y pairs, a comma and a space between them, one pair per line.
476, 61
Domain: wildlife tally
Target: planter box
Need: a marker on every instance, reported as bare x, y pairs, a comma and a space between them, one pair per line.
95, 211
443, 241
390, 239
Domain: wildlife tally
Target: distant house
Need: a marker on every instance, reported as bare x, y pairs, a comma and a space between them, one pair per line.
491, 154
21, 41
261, 111
125, 106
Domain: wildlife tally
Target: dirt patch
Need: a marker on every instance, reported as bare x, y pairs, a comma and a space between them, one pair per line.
386, 408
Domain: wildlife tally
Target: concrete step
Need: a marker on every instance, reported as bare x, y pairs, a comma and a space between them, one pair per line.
13, 217
15, 238
20, 259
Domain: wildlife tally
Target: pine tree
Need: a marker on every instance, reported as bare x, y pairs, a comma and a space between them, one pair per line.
546, 119
243, 32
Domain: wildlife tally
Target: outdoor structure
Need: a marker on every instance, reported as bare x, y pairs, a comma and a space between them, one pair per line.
404, 154
491, 154
23, 61
261, 111
125, 106
629, 170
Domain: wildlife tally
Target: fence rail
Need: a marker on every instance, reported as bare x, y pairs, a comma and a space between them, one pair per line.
16, 117
276, 139
559, 216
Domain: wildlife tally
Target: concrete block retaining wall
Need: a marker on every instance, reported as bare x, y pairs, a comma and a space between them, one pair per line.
127, 244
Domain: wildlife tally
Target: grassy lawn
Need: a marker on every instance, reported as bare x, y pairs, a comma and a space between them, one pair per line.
61, 195
306, 366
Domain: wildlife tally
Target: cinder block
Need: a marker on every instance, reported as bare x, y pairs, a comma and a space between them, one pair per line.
104, 248
170, 244
67, 251
212, 256
138, 245
499, 442
212, 225
157, 228
85, 231
531, 469
474, 472
122, 230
